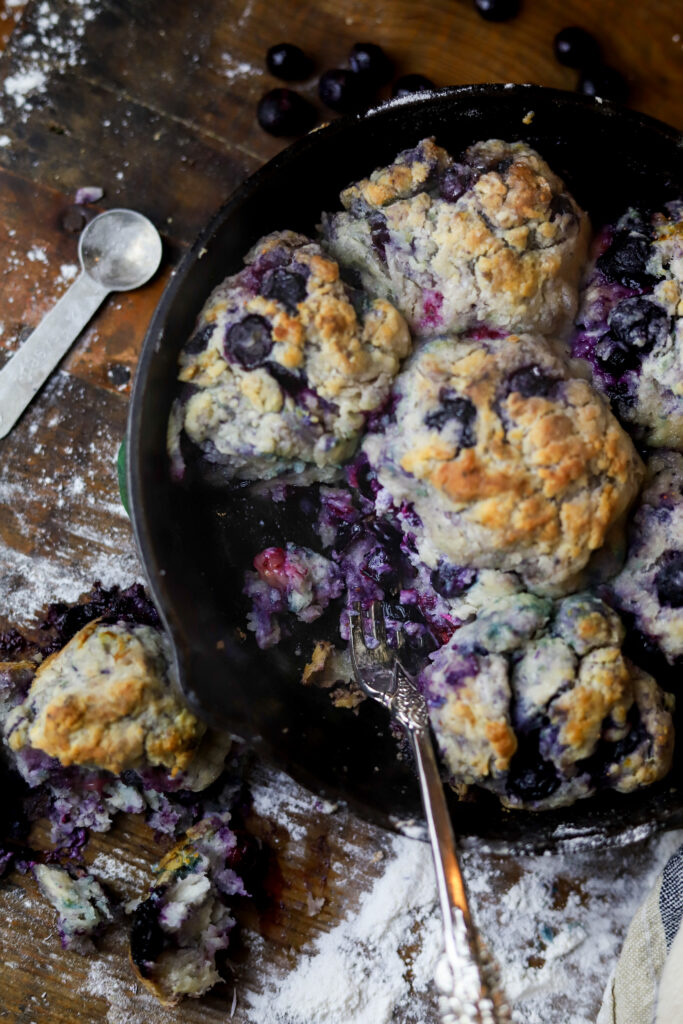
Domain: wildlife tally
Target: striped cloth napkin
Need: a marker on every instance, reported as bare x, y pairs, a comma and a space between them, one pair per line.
646, 986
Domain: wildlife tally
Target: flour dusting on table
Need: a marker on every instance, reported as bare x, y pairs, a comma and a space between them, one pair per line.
368, 967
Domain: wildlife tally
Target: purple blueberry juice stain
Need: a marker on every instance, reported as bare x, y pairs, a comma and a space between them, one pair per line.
432, 303
480, 332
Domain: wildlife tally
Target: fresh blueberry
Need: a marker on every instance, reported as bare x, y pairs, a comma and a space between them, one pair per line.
625, 260
669, 579
454, 181
249, 341
576, 48
341, 90
613, 357
283, 112
639, 323
285, 287
199, 340
605, 82
454, 407
370, 60
497, 10
531, 382
408, 84
451, 580
288, 62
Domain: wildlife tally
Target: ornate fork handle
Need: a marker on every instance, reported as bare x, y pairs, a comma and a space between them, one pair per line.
470, 993
465, 976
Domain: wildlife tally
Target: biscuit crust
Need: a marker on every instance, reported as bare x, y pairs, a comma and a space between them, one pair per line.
495, 239
301, 391
106, 701
532, 482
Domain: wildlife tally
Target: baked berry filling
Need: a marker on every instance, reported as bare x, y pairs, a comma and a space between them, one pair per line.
249, 342
454, 407
626, 258
451, 580
284, 287
669, 579
531, 382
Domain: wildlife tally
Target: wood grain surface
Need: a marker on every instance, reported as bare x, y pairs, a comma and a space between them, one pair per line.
154, 101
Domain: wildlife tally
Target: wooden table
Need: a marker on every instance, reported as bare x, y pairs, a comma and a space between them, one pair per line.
155, 102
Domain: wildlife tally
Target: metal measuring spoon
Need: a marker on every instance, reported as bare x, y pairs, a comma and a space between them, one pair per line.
118, 250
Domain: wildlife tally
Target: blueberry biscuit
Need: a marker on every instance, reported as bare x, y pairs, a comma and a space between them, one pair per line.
506, 459
535, 701
650, 586
283, 369
106, 701
183, 926
494, 240
630, 324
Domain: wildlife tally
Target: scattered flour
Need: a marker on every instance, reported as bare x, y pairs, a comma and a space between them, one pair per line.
127, 1002
50, 41
232, 69
35, 253
108, 867
554, 922
28, 584
356, 973
20, 85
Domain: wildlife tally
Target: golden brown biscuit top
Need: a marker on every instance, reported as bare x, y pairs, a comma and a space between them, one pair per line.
105, 701
540, 465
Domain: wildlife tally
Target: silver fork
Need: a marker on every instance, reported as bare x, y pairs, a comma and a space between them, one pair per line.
466, 976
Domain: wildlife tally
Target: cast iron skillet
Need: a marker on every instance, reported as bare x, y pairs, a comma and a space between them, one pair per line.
195, 543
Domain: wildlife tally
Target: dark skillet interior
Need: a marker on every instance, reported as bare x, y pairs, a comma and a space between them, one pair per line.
196, 543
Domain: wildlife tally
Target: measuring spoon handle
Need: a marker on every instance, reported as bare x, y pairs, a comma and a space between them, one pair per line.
26, 371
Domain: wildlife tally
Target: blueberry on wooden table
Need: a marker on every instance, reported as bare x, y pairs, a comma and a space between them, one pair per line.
370, 60
497, 10
283, 112
408, 84
288, 62
576, 48
342, 90
605, 82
